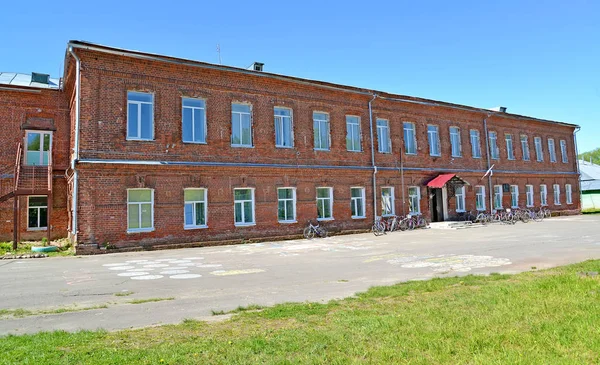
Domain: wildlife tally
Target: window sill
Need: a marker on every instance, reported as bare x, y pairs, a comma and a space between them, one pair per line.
34, 229
461, 211
410, 153
287, 222
244, 224
359, 217
322, 149
194, 227
288, 147
241, 146
140, 139
559, 204
324, 219
194, 142
435, 155
143, 230
355, 151
388, 215
456, 156
511, 159
529, 206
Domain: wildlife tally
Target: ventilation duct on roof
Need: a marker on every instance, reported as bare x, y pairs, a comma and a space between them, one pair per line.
40, 78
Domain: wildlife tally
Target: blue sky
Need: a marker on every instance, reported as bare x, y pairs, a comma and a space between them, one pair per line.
538, 58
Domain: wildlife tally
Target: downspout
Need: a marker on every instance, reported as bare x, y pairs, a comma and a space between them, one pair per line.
487, 153
402, 180
75, 157
577, 129
373, 159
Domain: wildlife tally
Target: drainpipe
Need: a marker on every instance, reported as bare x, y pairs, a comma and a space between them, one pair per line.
577, 129
487, 153
373, 159
402, 179
75, 157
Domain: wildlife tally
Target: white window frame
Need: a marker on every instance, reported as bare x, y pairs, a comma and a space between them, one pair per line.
242, 144
284, 119
139, 207
391, 204
38, 208
543, 195
514, 196
41, 151
252, 200
529, 195
433, 136
510, 148
355, 201
525, 147
475, 143
353, 131
384, 146
556, 194
563, 151
494, 151
568, 194
459, 194
552, 149
498, 196
138, 105
322, 201
480, 192
194, 209
292, 199
411, 200
322, 123
193, 109
539, 149
455, 141
412, 137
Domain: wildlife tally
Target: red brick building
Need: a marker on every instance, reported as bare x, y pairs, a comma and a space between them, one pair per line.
169, 151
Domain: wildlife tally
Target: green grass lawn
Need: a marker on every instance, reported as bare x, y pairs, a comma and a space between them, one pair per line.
539, 317
25, 248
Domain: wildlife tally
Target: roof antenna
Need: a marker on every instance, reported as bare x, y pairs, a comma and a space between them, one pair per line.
219, 52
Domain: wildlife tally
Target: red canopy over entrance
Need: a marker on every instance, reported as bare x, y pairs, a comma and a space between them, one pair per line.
440, 181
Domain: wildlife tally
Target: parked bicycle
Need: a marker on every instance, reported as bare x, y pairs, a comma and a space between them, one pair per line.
311, 231
378, 227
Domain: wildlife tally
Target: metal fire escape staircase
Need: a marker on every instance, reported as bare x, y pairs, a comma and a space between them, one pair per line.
25, 180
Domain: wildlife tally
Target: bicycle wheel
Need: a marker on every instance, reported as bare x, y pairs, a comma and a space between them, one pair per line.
309, 233
403, 224
481, 218
525, 217
322, 232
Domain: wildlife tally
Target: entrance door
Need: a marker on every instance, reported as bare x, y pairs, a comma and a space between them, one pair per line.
437, 205
37, 148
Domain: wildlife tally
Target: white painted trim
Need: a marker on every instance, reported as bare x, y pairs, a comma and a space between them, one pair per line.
253, 200
362, 200
194, 108
147, 229
38, 209
291, 117
393, 202
330, 189
194, 226
139, 118
445, 202
293, 205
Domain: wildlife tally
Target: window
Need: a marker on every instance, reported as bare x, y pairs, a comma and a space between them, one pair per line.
434, 140
387, 201
480, 197
459, 193
551, 150
475, 146
509, 146
357, 202
353, 133
455, 142
539, 152
243, 204
410, 139
283, 128
525, 147
37, 212
193, 119
286, 205
324, 203
140, 118
321, 131
414, 200
569, 194
556, 189
140, 210
38, 148
563, 151
514, 196
383, 136
543, 195
497, 196
529, 195
494, 152
195, 208
241, 125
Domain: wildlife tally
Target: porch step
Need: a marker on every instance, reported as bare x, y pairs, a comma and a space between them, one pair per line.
454, 225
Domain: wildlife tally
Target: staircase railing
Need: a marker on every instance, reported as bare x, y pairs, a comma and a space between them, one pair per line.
18, 165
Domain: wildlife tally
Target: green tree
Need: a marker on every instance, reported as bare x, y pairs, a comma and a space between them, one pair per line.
594, 154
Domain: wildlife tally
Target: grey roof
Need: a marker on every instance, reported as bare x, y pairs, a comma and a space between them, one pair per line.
19, 79
590, 175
